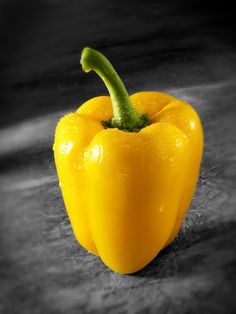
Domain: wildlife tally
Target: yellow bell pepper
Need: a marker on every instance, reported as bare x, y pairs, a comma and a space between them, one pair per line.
127, 168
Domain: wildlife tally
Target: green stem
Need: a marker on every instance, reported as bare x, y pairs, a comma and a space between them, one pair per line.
125, 116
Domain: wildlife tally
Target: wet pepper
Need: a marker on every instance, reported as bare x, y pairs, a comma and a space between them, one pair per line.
127, 167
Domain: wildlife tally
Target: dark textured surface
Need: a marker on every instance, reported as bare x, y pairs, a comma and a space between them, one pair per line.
186, 50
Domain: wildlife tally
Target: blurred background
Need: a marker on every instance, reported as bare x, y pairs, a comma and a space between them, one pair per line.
185, 48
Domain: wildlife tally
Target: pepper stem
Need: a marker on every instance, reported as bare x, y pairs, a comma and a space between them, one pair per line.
125, 116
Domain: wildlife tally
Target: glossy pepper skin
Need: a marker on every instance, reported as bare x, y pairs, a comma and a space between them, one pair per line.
126, 193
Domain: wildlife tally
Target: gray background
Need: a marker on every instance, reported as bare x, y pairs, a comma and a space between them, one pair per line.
183, 48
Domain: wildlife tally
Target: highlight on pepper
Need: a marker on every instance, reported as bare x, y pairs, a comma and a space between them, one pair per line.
127, 167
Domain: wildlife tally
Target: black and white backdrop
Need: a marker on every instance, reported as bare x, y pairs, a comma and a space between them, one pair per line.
185, 48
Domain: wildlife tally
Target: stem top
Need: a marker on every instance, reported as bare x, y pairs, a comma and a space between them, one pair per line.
125, 117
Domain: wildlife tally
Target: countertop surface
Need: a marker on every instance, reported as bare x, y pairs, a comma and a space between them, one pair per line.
187, 51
